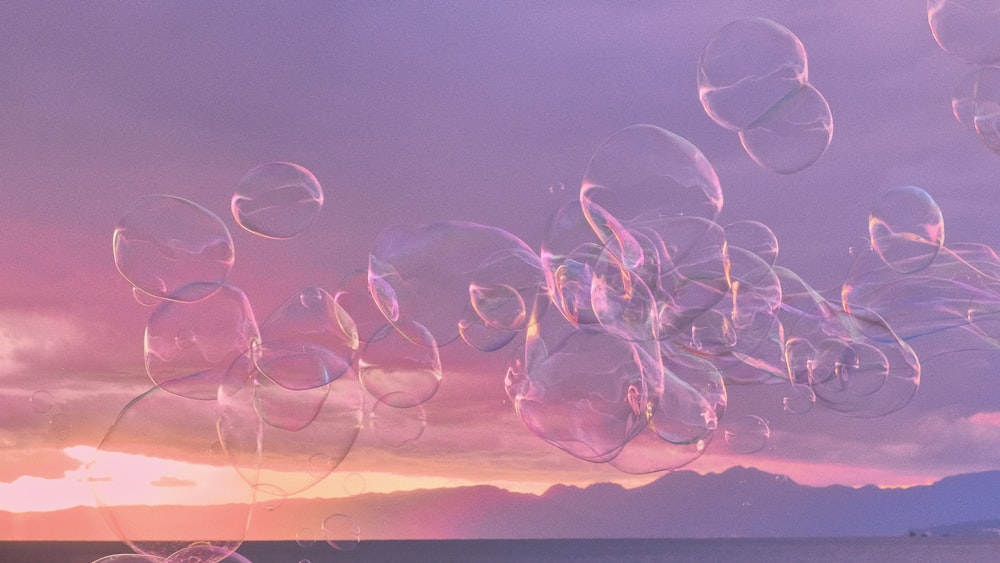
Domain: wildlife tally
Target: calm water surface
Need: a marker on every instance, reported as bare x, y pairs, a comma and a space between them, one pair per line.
753, 550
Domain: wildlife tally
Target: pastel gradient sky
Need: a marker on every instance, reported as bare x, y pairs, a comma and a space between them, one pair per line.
421, 112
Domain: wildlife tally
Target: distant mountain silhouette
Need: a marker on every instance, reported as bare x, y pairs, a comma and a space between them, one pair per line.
740, 502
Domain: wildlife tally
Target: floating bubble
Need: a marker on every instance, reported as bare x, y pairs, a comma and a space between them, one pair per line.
747, 68
792, 134
277, 200
356, 300
284, 441
129, 558
189, 347
645, 169
798, 399
205, 554
305, 537
906, 229
403, 368
164, 244
159, 452
354, 484
145, 299
397, 427
966, 29
42, 401
747, 434
341, 532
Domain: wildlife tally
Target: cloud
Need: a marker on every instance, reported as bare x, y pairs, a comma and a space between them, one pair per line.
166, 481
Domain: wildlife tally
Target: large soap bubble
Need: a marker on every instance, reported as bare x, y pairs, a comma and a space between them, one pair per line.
793, 134
747, 68
967, 29
165, 244
277, 200
162, 451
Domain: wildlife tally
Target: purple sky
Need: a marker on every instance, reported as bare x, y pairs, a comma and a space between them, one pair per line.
424, 112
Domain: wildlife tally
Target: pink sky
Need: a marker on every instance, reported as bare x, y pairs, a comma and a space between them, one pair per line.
421, 113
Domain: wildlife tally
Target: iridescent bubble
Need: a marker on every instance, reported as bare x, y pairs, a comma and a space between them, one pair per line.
792, 134
165, 243
145, 299
160, 452
747, 68
397, 427
354, 297
798, 399
341, 532
747, 434
906, 229
977, 95
755, 237
277, 200
195, 343
966, 29
403, 368
645, 169
129, 558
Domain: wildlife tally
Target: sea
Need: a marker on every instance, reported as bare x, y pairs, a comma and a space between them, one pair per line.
936, 549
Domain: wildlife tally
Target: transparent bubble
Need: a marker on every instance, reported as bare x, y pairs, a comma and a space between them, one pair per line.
792, 134
305, 537
42, 401
284, 441
356, 300
402, 369
341, 532
977, 96
966, 29
747, 68
188, 347
205, 554
907, 229
354, 484
798, 399
277, 200
145, 299
159, 452
397, 427
129, 558
422, 273
164, 244
645, 169
755, 237
747, 434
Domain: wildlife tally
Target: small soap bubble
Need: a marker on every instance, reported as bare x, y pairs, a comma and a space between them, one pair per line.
793, 134
397, 427
354, 484
277, 200
907, 229
42, 401
798, 399
306, 536
341, 532
747, 434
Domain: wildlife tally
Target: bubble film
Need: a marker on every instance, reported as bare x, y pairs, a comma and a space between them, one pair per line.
753, 78
966, 29
277, 200
172, 248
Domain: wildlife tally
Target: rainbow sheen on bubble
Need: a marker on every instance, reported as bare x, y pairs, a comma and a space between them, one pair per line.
278, 200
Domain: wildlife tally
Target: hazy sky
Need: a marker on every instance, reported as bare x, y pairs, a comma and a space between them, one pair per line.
412, 113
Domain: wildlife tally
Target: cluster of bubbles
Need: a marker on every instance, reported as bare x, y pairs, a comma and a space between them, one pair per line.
969, 30
622, 332
753, 78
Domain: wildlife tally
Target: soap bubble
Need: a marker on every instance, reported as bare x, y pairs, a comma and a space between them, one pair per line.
160, 451
643, 169
798, 399
277, 200
341, 532
354, 484
403, 368
906, 229
747, 434
747, 68
189, 347
201, 553
966, 29
792, 134
396, 427
164, 244
306, 537
42, 401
